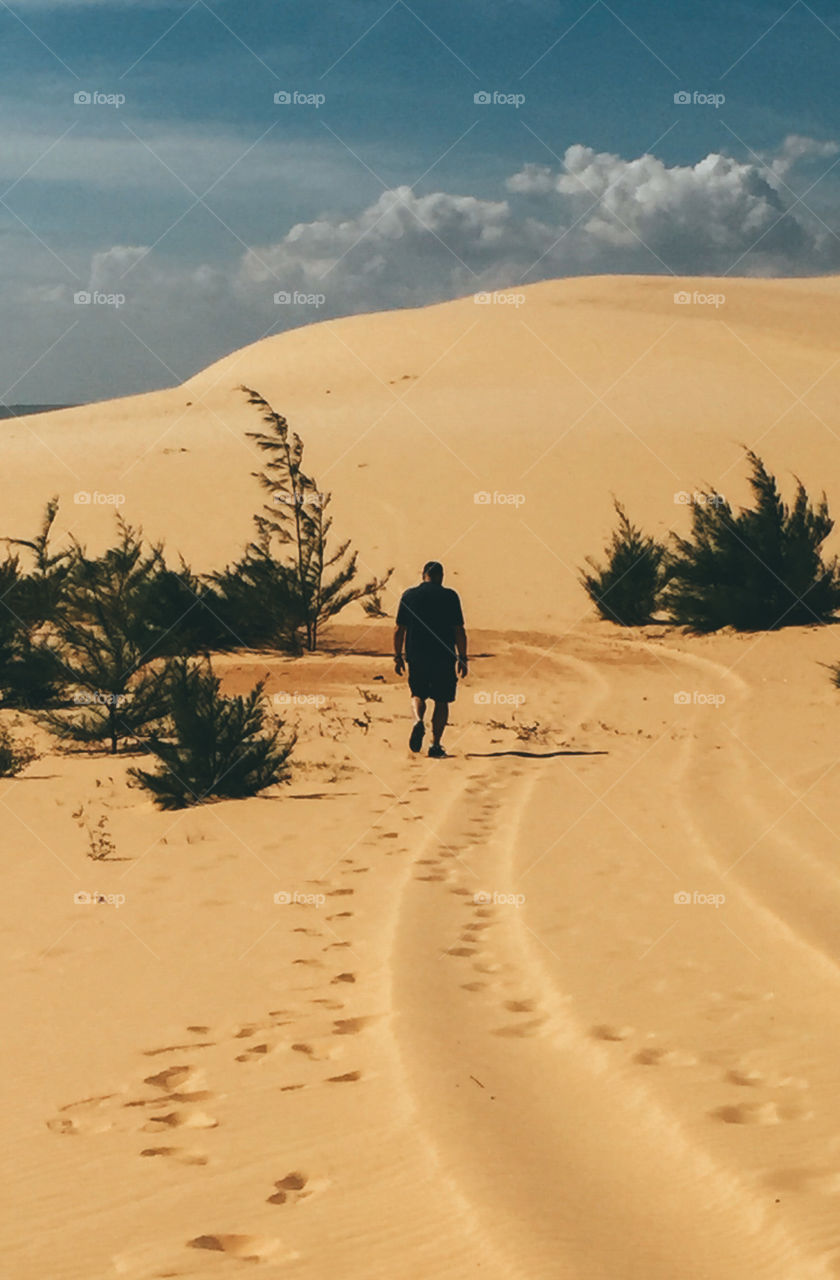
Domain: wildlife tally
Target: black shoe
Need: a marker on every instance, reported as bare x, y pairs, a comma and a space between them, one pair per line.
436, 751
415, 742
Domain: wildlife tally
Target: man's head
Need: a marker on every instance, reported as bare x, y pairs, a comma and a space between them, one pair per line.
433, 571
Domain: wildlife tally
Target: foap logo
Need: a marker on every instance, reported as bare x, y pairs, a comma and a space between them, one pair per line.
299, 499
485, 898
696, 99
294, 98
86, 698
82, 898
484, 698
286, 899
283, 298
684, 499
299, 700
697, 299
486, 499
697, 699
96, 499
684, 899
86, 98
500, 298
95, 298
484, 98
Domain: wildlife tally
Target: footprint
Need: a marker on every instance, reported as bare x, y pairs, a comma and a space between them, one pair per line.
296, 1186
520, 1006
348, 1077
345, 977
350, 1026
461, 951
176, 1153
737, 1075
248, 1248
178, 1048
759, 1113
255, 1053
340, 893
662, 1057
521, 1029
172, 1077
181, 1119
341, 915
607, 1031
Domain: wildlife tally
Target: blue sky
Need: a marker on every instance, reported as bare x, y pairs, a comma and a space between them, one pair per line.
184, 210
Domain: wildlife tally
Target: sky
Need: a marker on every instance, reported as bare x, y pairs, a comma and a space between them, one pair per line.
180, 179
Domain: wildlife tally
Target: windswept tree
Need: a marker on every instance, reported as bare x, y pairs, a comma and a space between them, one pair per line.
104, 642
296, 518
216, 747
627, 589
758, 569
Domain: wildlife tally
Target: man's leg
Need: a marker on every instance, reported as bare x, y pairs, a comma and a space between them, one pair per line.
440, 716
418, 729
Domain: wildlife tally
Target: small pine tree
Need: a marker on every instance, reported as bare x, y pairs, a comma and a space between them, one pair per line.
28, 601
104, 642
759, 569
257, 601
15, 753
297, 517
628, 589
220, 747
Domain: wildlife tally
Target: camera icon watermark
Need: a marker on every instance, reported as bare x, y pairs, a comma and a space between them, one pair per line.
685, 99
483, 498
294, 98
316, 700
86, 98
683, 899
95, 298
501, 298
284, 898
96, 499
685, 299
484, 98
496, 698
698, 699
283, 298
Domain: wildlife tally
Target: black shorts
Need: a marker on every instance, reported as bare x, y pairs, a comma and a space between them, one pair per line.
433, 679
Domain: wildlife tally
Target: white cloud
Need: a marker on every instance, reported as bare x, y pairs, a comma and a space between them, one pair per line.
595, 213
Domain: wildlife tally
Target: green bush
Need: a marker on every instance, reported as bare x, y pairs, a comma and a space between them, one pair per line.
15, 753
759, 569
219, 747
628, 588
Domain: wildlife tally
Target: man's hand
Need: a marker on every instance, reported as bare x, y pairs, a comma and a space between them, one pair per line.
462, 667
399, 665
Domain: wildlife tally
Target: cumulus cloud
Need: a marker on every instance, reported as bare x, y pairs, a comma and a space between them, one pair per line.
597, 212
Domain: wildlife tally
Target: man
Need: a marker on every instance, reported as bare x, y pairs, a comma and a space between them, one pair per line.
431, 626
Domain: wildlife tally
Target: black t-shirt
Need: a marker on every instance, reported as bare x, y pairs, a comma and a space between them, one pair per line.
430, 613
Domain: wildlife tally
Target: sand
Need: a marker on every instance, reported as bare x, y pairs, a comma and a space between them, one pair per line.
560, 1006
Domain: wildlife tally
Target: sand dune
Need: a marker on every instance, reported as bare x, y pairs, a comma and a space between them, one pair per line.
558, 1007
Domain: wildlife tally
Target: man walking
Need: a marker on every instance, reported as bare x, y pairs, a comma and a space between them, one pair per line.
430, 624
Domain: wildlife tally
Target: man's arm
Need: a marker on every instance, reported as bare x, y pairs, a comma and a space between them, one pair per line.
461, 647
399, 641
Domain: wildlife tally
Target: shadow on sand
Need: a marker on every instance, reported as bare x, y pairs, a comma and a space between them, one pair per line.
532, 755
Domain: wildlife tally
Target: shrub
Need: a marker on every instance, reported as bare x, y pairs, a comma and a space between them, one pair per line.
104, 641
220, 747
628, 589
15, 753
759, 569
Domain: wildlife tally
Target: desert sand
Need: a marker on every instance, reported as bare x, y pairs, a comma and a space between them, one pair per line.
560, 1007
